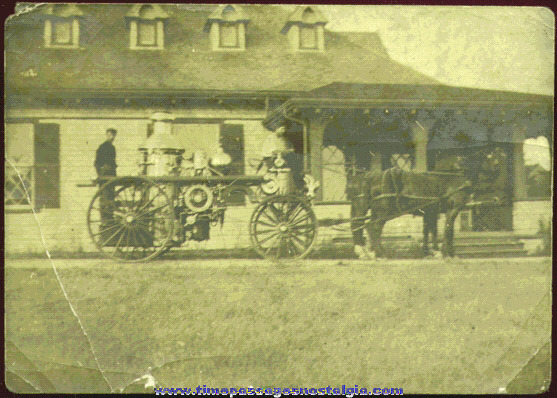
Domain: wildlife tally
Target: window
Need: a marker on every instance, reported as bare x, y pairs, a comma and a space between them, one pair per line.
403, 161
32, 167
62, 32
147, 33
61, 26
146, 26
305, 29
308, 37
226, 26
18, 171
229, 35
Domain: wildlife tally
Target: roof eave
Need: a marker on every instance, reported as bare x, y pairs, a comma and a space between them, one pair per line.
132, 93
274, 118
344, 102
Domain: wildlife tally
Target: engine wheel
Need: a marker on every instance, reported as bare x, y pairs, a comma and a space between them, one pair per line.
131, 219
283, 227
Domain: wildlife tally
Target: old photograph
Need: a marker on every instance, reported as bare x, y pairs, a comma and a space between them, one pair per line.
246, 199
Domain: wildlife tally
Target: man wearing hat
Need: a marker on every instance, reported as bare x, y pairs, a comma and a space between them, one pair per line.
277, 142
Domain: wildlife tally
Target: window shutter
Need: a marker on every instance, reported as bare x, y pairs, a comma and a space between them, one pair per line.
47, 166
232, 142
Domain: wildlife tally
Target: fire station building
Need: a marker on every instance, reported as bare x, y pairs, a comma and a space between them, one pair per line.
229, 75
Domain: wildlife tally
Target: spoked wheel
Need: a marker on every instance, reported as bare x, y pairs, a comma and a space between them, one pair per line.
282, 227
131, 219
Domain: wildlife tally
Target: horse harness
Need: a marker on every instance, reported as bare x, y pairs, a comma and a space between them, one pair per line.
393, 177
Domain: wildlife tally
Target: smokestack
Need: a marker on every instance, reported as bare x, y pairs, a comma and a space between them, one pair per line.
160, 152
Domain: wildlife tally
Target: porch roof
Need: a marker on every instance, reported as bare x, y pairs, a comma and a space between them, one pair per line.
341, 95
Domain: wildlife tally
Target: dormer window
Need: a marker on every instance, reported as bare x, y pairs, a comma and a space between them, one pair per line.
61, 26
305, 29
308, 37
146, 33
229, 35
62, 32
146, 24
227, 29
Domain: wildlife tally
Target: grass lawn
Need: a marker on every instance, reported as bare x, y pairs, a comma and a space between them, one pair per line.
427, 326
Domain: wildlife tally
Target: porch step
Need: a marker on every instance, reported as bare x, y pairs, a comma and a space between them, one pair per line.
488, 245
488, 253
503, 242
468, 245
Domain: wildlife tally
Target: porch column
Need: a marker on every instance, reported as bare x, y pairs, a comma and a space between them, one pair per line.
520, 191
316, 129
420, 147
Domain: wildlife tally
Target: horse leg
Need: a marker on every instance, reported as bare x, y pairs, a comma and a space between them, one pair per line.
448, 247
357, 212
374, 230
433, 227
426, 228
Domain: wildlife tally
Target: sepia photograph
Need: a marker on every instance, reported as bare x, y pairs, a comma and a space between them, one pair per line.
289, 199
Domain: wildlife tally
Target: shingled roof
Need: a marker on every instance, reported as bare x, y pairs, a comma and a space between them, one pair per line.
421, 93
360, 96
104, 61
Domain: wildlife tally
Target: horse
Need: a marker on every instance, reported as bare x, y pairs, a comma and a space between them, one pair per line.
394, 192
430, 213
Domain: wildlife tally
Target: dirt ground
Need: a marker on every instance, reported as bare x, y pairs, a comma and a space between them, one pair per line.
426, 326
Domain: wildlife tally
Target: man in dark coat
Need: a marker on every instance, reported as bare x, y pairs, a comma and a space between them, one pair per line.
105, 164
105, 159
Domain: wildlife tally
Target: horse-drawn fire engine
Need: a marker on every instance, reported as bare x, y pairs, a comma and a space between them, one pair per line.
173, 200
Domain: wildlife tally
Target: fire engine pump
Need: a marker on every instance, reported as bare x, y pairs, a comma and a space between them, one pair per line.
198, 206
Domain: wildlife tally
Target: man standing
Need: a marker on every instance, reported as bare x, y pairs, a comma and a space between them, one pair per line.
105, 159
105, 164
277, 142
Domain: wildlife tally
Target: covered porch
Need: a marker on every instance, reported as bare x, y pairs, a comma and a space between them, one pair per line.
344, 128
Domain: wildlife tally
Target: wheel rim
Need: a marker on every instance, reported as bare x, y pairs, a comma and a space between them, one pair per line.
130, 219
283, 227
